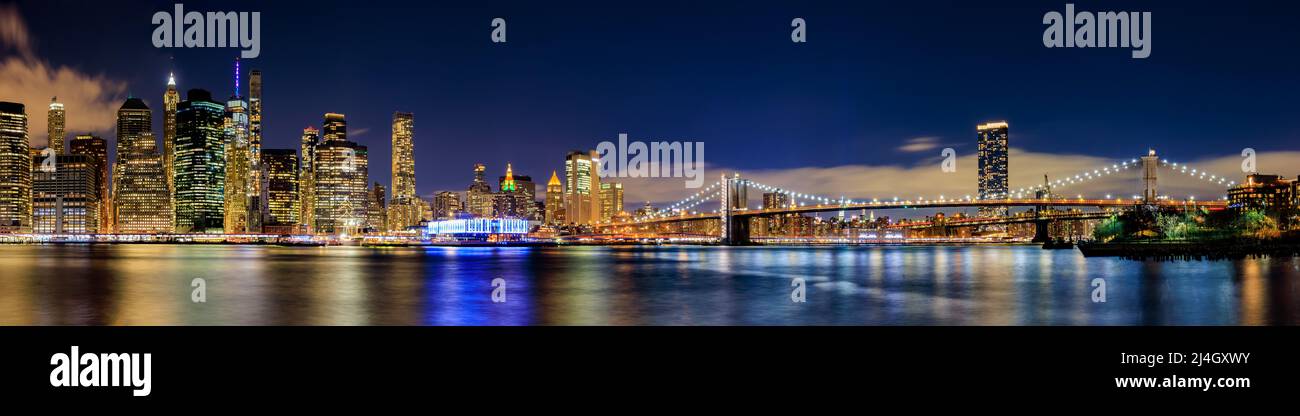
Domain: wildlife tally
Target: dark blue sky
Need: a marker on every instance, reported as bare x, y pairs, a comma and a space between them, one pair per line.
1222, 75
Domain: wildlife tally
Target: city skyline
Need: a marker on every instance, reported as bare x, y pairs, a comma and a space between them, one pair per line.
451, 139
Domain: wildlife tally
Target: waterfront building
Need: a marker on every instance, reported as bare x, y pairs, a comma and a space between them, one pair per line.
342, 169
142, 202
993, 165
258, 198
1263, 192
581, 189
200, 164
65, 197
56, 123
281, 166
611, 200
478, 199
15, 170
554, 200
96, 149
376, 209
446, 205
404, 212
238, 186
171, 99
307, 179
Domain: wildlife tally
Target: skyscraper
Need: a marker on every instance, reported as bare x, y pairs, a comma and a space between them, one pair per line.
65, 200
993, 149
478, 199
15, 170
96, 149
171, 99
141, 199
376, 209
582, 187
56, 121
238, 165
258, 206
611, 200
554, 198
281, 167
200, 164
342, 169
307, 179
405, 209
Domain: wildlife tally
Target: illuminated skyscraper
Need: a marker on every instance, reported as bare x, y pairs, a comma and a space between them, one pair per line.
611, 200
376, 209
200, 164
478, 199
281, 167
554, 200
96, 149
56, 121
141, 199
405, 209
342, 169
258, 207
307, 179
65, 199
993, 165
238, 187
171, 99
582, 187
15, 170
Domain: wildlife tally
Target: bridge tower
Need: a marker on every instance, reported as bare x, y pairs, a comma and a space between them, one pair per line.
1150, 164
735, 197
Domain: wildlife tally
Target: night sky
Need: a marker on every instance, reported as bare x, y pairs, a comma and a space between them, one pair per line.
873, 75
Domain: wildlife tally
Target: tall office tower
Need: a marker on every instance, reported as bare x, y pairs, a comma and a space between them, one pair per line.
56, 121
65, 199
258, 206
141, 199
780, 224
238, 188
514, 201
96, 149
342, 171
582, 187
446, 205
478, 199
200, 164
307, 179
426, 210
282, 191
611, 200
15, 170
554, 200
171, 99
405, 209
993, 165
376, 209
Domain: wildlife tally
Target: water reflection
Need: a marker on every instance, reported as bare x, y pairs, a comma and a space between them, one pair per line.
945, 285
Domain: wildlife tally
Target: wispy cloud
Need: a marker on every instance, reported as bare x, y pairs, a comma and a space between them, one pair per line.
90, 100
919, 144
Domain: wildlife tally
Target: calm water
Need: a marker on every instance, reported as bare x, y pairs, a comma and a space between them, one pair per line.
975, 285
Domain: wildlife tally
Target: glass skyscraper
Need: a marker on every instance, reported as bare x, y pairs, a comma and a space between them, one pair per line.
993, 150
141, 198
342, 169
15, 170
281, 166
200, 164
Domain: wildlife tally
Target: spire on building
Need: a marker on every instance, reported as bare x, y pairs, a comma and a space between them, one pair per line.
555, 180
171, 79
508, 185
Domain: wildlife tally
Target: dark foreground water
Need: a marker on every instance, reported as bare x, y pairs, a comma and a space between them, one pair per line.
969, 285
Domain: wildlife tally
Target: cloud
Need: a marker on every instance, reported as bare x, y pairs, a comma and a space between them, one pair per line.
357, 132
91, 101
919, 144
927, 180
